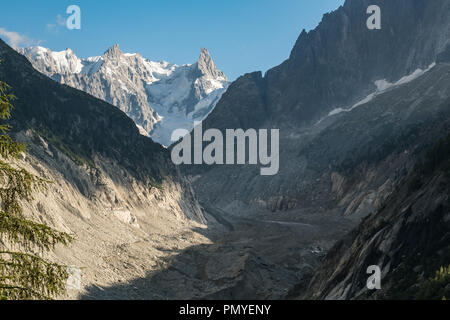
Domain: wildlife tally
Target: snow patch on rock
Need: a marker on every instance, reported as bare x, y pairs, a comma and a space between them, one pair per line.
382, 86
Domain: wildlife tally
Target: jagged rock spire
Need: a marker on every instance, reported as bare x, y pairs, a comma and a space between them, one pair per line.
113, 51
206, 65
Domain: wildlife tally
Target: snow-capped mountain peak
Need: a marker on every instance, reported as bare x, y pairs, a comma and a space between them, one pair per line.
113, 52
63, 62
159, 96
206, 65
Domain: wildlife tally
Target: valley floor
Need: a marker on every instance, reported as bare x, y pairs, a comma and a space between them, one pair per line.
261, 256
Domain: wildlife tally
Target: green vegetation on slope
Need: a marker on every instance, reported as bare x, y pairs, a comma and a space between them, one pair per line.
23, 274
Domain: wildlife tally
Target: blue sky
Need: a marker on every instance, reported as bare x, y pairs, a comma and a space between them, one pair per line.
242, 36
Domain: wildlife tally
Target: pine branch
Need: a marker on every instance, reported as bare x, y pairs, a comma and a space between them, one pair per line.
33, 274
28, 233
9, 147
17, 184
20, 293
5, 101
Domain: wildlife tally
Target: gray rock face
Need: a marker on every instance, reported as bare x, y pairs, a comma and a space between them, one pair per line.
408, 238
160, 97
339, 65
206, 65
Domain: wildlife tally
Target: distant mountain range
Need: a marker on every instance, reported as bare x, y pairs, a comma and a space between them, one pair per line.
159, 96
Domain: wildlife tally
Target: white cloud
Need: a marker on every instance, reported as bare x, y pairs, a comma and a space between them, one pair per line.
16, 39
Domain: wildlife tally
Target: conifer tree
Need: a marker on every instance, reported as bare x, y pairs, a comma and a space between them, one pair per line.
24, 274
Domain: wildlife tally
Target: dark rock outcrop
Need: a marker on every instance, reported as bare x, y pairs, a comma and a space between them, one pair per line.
408, 238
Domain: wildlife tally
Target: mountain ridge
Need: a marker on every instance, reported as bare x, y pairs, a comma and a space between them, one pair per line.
160, 97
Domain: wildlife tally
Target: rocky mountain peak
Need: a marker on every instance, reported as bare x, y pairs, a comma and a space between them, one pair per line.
69, 52
204, 54
113, 52
206, 65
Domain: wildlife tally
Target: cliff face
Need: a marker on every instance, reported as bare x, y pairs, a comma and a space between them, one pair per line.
337, 63
114, 189
408, 238
347, 104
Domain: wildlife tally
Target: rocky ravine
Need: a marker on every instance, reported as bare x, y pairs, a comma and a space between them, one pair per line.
356, 111
140, 232
337, 165
267, 250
